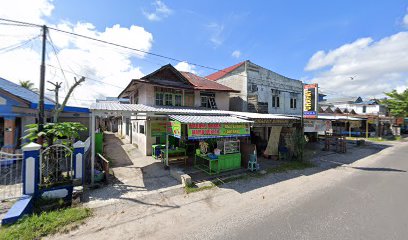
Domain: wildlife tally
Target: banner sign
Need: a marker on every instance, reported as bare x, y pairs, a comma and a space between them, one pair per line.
158, 128
217, 130
317, 125
174, 128
310, 96
274, 122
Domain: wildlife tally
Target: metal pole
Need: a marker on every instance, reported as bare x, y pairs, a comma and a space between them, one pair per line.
302, 120
92, 147
367, 128
42, 81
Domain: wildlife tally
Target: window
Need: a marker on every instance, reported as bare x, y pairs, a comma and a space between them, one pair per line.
275, 101
364, 109
141, 129
177, 100
168, 99
159, 99
208, 100
293, 103
253, 87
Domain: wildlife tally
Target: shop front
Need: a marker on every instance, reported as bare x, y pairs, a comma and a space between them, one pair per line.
215, 141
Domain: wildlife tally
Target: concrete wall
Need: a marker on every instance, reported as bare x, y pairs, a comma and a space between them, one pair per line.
266, 80
237, 81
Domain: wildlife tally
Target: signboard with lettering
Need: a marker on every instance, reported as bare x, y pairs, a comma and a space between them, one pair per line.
317, 125
158, 128
310, 97
217, 130
174, 128
274, 122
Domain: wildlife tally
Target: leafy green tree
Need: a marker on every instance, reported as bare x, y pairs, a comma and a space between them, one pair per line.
397, 103
28, 85
65, 132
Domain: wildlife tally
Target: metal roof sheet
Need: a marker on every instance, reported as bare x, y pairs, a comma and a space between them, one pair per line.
21, 92
109, 106
207, 119
252, 115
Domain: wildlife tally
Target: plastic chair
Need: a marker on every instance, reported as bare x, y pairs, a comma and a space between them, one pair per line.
283, 153
253, 165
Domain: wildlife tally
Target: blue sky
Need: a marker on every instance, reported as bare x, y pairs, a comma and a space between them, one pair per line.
279, 35
315, 41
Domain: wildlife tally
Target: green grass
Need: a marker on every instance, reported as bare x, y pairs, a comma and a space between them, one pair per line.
193, 188
38, 226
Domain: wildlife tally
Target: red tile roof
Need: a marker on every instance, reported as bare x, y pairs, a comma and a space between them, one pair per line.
201, 83
217, 75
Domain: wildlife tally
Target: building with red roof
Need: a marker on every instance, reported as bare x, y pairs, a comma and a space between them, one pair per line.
260, 89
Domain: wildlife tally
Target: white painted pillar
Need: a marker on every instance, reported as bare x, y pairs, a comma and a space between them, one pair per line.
31, 168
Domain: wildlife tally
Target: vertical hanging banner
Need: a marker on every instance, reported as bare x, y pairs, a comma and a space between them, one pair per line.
310, 96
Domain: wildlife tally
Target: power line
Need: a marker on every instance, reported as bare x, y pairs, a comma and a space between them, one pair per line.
20, 22
92, 79
17, 45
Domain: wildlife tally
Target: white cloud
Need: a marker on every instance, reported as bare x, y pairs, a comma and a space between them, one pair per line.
378, 66
405, 19
185, 67
111, 65
236, 54
216, 33
161, 11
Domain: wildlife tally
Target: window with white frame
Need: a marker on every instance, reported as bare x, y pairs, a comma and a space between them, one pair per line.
177, 100
159, 99
168, 99
208, 100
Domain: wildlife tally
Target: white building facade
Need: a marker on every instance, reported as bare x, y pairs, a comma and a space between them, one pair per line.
260, 90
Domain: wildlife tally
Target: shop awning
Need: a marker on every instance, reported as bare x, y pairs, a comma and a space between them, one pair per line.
207, 119
203, 127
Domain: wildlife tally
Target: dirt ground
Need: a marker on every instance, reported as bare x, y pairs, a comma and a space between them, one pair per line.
162, 214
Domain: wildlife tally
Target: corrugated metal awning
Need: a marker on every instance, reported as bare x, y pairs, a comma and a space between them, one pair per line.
207, 119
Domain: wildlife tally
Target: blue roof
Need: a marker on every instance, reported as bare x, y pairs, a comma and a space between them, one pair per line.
21, 92
33, 97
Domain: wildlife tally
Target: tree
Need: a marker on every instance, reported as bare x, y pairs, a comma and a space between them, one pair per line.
28, 85
397, 103
66, 132
58, 109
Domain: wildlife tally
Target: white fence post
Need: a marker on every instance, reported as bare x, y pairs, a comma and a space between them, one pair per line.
31, 168
79, 150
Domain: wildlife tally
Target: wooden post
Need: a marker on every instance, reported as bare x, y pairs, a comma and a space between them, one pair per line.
367, 128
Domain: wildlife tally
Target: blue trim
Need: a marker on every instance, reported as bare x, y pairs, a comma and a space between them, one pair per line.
20, 208
36, 155
70, 189
66, 108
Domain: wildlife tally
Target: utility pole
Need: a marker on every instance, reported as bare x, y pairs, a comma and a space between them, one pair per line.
57, 86
42, 81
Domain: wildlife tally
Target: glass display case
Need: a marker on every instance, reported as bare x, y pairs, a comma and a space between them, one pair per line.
229, 146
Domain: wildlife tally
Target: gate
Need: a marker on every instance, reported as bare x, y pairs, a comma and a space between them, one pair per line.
56, 164
11, 170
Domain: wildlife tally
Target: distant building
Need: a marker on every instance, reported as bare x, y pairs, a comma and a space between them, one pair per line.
260, 90
18, 107
360, 107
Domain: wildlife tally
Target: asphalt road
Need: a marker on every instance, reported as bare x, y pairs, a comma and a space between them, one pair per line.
372, 204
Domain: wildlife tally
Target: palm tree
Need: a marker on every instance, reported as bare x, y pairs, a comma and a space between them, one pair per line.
28, 85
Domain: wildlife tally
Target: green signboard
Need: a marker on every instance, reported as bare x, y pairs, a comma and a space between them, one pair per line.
214, 130
158, 128
174, 128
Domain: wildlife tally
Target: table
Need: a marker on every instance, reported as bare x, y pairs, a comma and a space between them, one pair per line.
175, 154
221, 164
154, 147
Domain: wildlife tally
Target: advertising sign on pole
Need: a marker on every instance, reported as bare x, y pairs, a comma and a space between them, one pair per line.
310, 100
